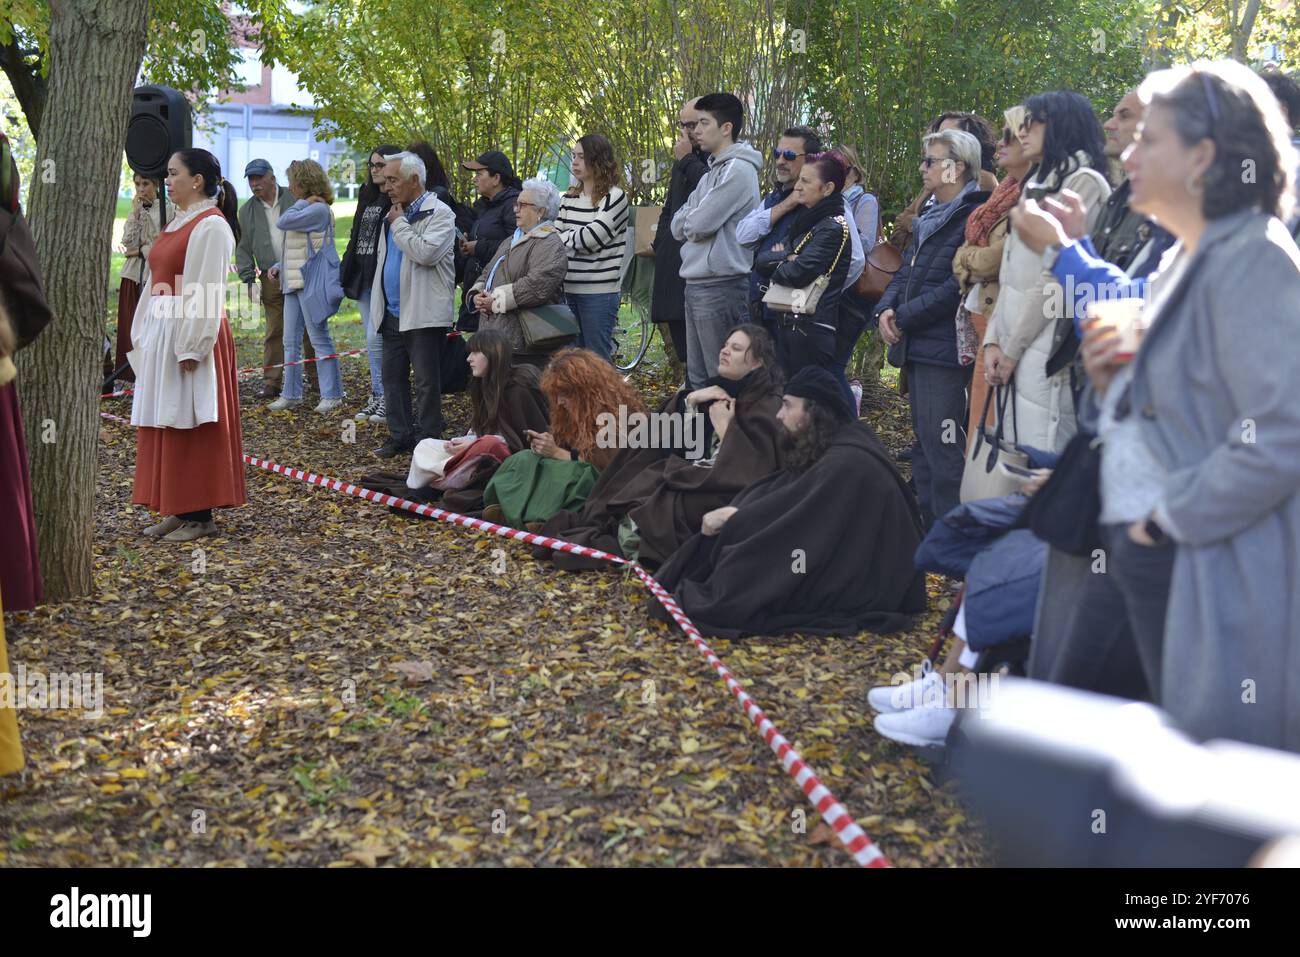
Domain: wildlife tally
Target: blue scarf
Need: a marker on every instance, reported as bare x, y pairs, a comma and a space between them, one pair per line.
514, 241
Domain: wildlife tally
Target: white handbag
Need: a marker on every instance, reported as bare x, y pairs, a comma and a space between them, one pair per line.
803, 301
982, 478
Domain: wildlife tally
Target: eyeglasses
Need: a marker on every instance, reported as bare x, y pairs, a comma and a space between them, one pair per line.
687, 124
376, 165
519, 205
788, 154
929, 161
1007, 136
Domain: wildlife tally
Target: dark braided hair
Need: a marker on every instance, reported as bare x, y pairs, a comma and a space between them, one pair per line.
199, 162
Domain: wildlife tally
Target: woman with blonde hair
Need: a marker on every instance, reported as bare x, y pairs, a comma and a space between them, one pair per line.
308, 227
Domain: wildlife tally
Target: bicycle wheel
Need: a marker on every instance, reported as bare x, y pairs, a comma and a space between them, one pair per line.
632, 334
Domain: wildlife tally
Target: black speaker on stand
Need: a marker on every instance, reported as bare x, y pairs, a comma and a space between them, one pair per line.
160, 125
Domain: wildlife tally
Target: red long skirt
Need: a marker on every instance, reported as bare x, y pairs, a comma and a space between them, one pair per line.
188, 470
20, 567
128, 297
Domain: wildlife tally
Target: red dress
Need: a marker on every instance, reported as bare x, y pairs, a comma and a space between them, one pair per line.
188, 470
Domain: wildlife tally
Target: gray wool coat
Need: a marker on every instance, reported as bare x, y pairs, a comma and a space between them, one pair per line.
1216, 388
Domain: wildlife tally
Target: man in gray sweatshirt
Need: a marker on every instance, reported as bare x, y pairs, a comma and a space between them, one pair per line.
715, 266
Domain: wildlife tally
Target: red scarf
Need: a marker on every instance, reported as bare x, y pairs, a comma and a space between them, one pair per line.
981, 222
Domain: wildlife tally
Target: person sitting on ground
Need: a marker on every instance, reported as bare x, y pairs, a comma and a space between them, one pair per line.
506, 401
823, 546
1000, 564
528, 270
559, 468
650, 500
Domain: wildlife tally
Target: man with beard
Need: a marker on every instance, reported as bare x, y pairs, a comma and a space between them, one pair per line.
823, 546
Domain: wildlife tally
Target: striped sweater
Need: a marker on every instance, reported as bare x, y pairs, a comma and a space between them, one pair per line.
596, 237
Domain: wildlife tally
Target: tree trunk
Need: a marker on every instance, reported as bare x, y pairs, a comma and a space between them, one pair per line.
1242, 30
95, 53
30, 87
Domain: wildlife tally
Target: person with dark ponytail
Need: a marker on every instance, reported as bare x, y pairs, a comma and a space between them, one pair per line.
189, 446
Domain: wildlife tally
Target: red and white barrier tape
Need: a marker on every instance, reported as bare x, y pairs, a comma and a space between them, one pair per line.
855, 840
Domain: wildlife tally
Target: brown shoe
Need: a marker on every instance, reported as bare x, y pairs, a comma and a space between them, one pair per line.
494, 514
268, 392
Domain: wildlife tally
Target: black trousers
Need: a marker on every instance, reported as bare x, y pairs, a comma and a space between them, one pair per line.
418, 351
1116, 641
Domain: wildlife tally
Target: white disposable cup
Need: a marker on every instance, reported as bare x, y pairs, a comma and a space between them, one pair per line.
1125, 316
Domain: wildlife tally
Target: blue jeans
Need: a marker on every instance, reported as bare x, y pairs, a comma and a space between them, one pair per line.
712, 308
938, 398
597, 314
318, 330
374, 346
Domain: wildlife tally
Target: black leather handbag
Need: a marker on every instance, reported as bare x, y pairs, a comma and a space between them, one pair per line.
1065, 512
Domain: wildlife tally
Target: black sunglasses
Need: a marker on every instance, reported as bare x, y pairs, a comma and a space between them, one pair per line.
788, 154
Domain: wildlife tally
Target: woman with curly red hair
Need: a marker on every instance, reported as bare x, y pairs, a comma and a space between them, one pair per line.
559, 468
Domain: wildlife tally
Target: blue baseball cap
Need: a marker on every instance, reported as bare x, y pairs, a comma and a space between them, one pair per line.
257, 167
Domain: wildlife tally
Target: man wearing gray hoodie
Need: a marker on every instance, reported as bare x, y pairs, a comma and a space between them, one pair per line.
715, 266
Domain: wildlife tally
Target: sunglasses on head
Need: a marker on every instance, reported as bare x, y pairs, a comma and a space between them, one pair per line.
786, 154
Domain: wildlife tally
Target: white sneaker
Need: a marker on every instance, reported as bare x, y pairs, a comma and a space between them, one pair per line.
326, 406
890, 699
924, 727
381, 411
282, 404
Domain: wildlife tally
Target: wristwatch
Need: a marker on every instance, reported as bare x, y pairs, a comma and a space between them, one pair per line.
1049, 256
1154, 531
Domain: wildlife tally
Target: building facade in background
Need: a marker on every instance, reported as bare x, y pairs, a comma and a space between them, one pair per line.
265, 122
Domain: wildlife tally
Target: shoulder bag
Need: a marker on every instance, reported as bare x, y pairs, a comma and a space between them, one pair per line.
982, 478
547, 328
883, 262
320, 273
804, 301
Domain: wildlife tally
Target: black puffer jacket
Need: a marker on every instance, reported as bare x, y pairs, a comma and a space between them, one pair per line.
494, 220
827, 239
924, 293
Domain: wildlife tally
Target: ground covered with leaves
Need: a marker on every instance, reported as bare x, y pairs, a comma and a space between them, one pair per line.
331, 684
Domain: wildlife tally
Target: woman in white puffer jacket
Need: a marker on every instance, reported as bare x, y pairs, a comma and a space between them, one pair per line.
1062, 137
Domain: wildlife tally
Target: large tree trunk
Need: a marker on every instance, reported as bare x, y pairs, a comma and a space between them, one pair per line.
95, 52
